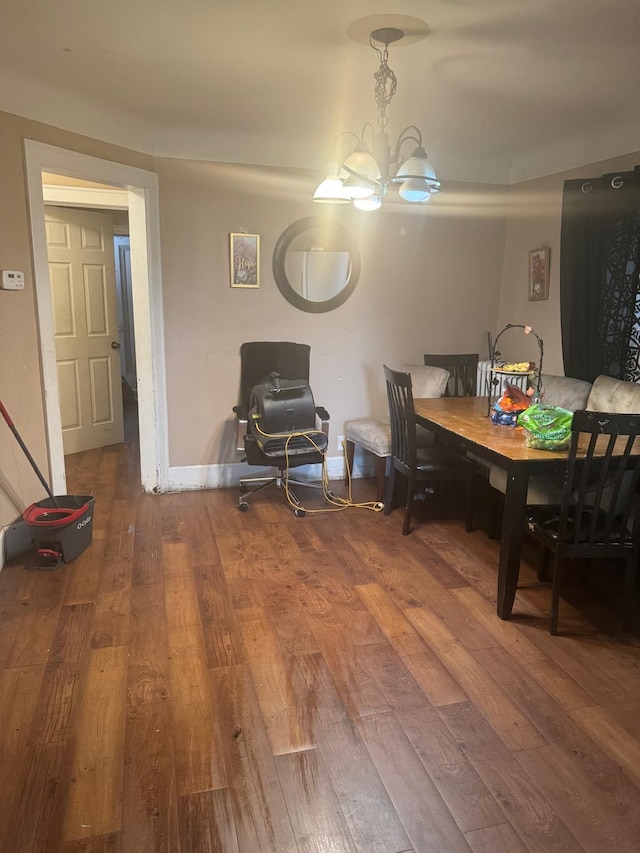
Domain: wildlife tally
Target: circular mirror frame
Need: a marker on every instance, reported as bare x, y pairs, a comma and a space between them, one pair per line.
285, 240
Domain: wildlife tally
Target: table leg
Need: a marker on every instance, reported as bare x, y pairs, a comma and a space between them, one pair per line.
511, 541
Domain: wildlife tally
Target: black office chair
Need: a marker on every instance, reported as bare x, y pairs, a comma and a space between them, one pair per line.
279, 425
463, 369
599, 513
419, 465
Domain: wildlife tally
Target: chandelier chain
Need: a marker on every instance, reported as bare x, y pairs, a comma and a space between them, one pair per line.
385, 88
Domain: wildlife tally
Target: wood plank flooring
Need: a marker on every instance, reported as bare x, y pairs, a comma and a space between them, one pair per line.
202, 679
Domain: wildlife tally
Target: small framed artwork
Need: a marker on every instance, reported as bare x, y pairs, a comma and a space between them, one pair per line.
539, 273
244, 253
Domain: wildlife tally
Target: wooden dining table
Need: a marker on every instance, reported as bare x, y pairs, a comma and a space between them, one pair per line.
464, 425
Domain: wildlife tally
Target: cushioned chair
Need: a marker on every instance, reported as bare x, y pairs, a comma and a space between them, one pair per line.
598, 515
613, 395
374, 435
275, 362
565, 391
424, 465
562, 391
463, 370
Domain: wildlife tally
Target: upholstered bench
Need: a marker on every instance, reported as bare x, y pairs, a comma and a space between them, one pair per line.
375, 437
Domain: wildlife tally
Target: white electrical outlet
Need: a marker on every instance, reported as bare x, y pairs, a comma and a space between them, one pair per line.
340, 442
12, 280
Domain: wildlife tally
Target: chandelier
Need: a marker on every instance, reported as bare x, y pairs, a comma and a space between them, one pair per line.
372, 168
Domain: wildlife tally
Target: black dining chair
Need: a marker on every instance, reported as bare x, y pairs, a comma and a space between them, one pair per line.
599, 513
463, 370
463, 373
418, 465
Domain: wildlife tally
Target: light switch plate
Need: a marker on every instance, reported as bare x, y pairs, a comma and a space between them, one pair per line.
12, 280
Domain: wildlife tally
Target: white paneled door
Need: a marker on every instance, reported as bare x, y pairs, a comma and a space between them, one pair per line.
85, 315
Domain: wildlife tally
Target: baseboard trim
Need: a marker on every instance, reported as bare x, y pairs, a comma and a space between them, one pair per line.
191, 477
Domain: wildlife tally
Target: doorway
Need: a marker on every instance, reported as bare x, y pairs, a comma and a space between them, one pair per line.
142, 202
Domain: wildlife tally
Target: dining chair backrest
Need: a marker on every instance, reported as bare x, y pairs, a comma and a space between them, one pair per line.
599, 500
402, 418
463, 369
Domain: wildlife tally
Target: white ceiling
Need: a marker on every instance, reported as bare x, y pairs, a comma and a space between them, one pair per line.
503, 90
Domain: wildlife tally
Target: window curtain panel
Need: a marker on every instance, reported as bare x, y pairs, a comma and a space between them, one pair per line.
599, 268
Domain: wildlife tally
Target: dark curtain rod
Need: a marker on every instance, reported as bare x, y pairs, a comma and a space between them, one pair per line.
616, 180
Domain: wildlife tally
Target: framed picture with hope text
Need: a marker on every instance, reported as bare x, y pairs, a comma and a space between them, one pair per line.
244, 253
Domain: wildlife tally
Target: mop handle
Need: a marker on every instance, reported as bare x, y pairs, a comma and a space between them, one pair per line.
5, 415
11, 425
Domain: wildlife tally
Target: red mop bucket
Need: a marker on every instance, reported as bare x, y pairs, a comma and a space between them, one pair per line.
62, 527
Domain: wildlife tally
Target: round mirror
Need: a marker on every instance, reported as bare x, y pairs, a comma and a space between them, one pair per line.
316, 264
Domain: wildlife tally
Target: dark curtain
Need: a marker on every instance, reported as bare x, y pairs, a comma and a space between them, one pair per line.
599, 269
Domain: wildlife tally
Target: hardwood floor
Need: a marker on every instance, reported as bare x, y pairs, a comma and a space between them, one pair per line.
202, 679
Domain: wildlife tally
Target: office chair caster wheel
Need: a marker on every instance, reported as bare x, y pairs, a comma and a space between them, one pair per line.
299, 513
243, 506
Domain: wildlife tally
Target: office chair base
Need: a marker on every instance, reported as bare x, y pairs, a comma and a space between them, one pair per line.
251, 485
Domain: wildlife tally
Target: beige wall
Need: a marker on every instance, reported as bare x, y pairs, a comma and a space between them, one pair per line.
429, 282
534, 216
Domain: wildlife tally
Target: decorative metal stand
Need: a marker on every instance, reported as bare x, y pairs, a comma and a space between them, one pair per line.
497, 376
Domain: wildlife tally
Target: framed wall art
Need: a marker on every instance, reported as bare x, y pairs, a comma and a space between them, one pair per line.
244, 254
539, 273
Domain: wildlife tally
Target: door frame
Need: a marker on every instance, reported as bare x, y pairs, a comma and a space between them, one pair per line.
144, 228
125, 311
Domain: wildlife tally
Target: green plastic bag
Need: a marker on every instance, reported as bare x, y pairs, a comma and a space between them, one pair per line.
546, 427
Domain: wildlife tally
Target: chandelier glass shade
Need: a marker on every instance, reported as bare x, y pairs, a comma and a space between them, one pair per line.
372, 168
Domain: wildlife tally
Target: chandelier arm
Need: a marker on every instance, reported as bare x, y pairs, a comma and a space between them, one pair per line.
405, 137
341, 136
371, 181
367, 126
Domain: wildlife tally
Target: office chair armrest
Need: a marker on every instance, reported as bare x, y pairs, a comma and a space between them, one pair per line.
243, 425
323, 415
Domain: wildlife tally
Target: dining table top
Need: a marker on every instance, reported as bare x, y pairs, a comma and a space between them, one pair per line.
468, 418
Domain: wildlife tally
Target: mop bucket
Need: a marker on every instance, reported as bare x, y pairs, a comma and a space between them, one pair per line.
62, 527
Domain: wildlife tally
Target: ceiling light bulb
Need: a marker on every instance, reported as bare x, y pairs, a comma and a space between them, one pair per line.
357, 188
331, 191
374, 202
415, 189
